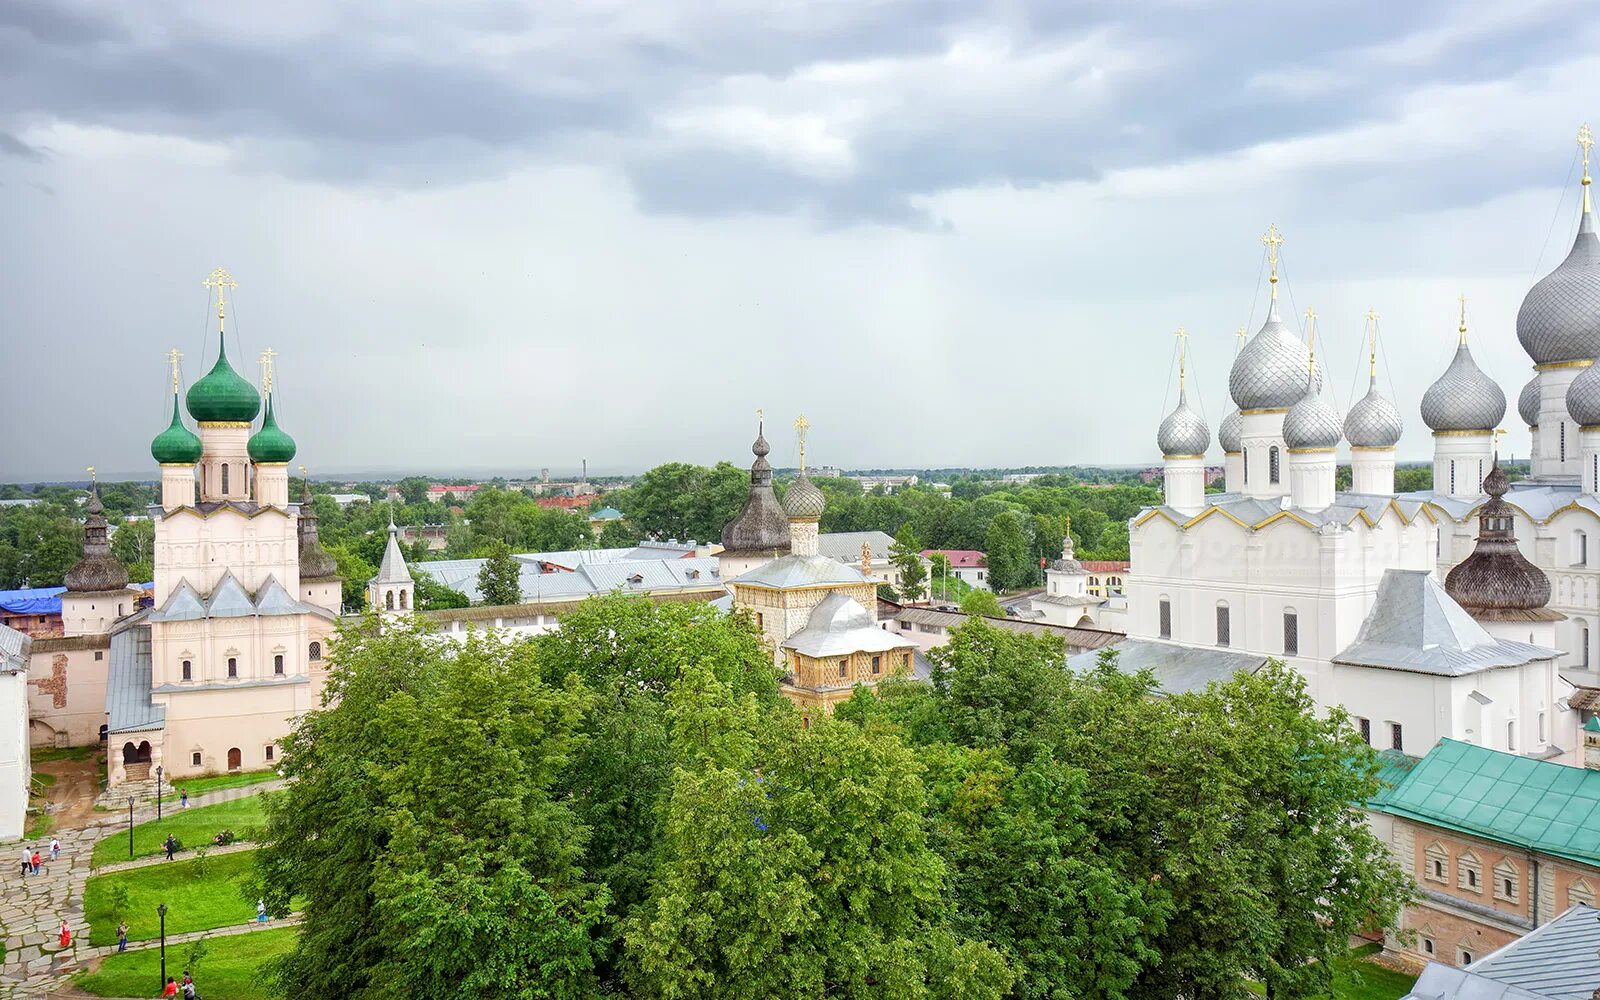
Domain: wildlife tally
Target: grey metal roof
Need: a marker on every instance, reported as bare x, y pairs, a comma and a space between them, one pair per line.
1559, 961
1374, 422
1346, 507
128, 683
838, 626
1269, 373
1077, 638
1416, 627
1463, 398
586, 579
1177, 669
1183, 432
184, 604
393, 569
803, 499
845, 546
1560, 316
1528, 402
231, 600
14, 649
760, 525
1229, 435
801, 571
1537, 499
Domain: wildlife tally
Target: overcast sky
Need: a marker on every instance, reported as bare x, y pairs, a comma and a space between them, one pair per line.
518, 235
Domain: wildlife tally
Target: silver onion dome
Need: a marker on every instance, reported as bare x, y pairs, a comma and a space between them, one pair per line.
1230, 434
1374, 422
1311, 423
1528, 403
1560, 316
1463, 398
1183, 433
1583, 397
802, 501
1270, 372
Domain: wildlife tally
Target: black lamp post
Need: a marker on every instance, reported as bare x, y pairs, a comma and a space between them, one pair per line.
158, 793
162, 911
130, 826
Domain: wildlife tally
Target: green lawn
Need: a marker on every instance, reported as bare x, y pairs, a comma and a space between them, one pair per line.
231, 969
193, 903
212, 782
1355, 977
194, 826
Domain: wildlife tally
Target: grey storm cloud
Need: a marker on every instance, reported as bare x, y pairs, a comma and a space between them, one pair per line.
427, 93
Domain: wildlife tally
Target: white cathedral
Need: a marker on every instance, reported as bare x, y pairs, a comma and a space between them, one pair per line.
1345, 586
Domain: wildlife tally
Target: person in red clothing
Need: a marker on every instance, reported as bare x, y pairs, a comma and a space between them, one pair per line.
66, 935
171, 989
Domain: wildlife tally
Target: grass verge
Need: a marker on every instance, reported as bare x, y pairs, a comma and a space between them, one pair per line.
194, 902
193, 826
232, 969
213, 782
43, 755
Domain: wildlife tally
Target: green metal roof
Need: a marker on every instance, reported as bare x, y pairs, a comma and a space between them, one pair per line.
223, 395
1393, 768
270, 443
1533, 804
1593, 725
177, 445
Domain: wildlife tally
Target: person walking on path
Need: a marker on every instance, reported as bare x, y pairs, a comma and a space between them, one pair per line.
261, 911
66, 936
183, 800
189, 992
171, 989
170, 846
27, 861
122, 936
55, 848
37, 861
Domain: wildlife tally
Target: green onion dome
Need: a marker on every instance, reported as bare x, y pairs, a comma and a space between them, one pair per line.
270, 443
223, 395
177, 445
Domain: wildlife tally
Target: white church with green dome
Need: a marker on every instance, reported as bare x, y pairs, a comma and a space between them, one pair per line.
231, 654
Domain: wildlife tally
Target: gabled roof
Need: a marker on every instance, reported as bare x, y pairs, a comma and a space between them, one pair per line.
959, 558
801, 571
229, 599
184, 604
838, 626
1532, 804
32, 600
1558, 961
1415, 626
14, 649
128, 704
1257, 512
845, 546
1177, 669
393, 569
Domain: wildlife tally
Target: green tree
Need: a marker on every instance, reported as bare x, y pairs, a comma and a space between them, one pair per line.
906, 554
354, 573
413, 489
421, 830
499, 579
683, 501
1410, 478
134, 546
1006, 548
435, 596
795, 864
982, 602
617, 535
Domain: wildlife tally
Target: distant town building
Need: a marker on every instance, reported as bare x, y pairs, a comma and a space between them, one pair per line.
439, 492
1105, 576
887, 483
967, 565
344, 500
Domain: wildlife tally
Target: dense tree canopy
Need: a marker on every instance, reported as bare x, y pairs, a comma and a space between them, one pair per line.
683, 501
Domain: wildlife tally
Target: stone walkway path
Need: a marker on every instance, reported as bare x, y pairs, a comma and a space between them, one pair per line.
32, 908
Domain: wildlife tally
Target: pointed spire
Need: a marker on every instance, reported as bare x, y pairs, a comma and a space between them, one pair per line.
393, 569
1311, 349
315, 562
98, 570
760, 525
1462, 328
1585, 141
1272, 239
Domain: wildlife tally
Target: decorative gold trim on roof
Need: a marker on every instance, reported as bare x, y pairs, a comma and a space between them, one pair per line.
1575, 363
224, 424
1366, 447
176, 465
1271, 409
1171, 457
1443, 434
1312, 451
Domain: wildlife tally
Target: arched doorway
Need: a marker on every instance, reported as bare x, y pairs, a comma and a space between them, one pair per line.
234, 759
136, 754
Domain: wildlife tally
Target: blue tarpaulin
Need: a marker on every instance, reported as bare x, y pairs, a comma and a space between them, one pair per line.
32, 601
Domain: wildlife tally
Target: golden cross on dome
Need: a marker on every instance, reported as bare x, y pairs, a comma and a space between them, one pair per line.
93, 476
173, 357
221, 280
266, 369
1311, 339
1272, 239
1462, 329
800, 425
1183, 351
1586, 140
1372, 331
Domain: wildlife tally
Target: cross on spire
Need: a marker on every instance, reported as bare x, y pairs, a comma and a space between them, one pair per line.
221, 280
1585, 140
1372, 349
1462, 328
173, 357
1183, 352
266, 369
1272, 240
94, 477
1311, 340
800, 425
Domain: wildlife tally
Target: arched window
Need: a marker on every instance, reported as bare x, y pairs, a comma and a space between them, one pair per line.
1511, 735
402, 600
1246, 453
1563, 426
1164, 611
1479, 480
1291, 632
388, 601
1224, 625
1543, 733
1507, 881
1580, 548
1436, 861
1469, 872
194, 758
233, 666
1452, 475
277, 664
1580, 635
314, 651
1272, 465
224, 478
188, 670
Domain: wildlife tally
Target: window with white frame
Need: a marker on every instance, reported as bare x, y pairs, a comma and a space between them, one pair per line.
1427, 946
1291, 633
1511, 735
1224, 625
1365, 725
1580, 548
1164, 612
1464, 953
1435, 863
1397, 737
1507, 881
1543, 734
1469, 872
1580, 893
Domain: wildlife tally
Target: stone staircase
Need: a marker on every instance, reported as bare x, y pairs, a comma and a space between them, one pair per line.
143, 792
